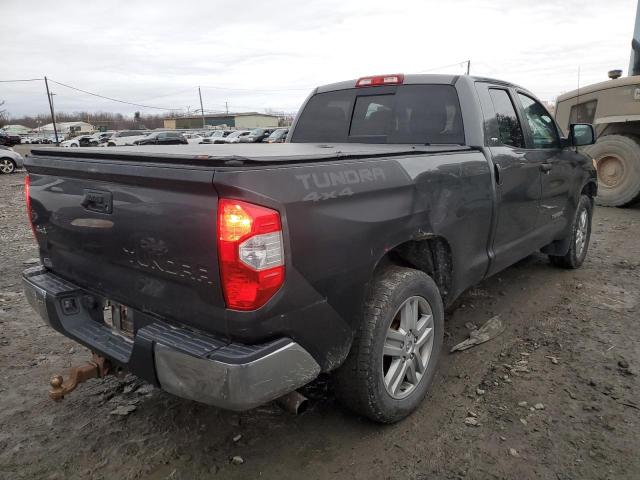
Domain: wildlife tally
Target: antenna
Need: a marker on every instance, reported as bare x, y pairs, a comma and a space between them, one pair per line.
578, 98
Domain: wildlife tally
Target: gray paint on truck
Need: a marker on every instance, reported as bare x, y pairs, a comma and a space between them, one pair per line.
344, 208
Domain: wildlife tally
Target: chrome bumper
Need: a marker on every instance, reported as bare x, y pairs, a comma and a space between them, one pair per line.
235, 386
189, 364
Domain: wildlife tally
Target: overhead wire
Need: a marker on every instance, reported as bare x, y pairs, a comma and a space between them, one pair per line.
111, 98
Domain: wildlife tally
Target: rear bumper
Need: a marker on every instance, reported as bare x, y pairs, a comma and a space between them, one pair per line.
187, 363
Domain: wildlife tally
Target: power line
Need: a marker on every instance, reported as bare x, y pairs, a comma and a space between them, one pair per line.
218, 87
110, 98
23, 80
459, 64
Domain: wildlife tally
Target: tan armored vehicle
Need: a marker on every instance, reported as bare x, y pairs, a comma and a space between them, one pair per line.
613, 108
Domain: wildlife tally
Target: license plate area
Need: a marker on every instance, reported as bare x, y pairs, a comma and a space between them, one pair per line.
119, 318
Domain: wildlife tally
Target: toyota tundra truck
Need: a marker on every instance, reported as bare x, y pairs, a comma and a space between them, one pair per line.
233, 275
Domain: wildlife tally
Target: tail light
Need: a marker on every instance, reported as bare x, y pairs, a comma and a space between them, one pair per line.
251, 253
379, 80
27, 198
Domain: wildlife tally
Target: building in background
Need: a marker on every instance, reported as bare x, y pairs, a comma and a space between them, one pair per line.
232, 120
66, 128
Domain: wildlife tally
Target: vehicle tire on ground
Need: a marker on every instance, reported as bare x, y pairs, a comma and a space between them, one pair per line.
395, 351
580, 235
74, 145
618, 162
7, 165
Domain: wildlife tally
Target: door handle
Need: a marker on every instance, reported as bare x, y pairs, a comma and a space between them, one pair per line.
546, 167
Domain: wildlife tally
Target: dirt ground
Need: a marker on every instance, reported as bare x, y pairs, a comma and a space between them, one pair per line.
571, 351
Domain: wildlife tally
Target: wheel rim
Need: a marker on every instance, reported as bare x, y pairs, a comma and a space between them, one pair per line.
581, 231
6, 166
407, 347
610, 170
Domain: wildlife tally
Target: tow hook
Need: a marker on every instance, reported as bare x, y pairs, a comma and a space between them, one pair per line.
97, 367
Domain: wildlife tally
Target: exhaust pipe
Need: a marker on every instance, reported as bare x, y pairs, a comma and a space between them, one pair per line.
293, 402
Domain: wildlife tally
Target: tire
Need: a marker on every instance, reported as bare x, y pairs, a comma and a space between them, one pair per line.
580, 235
7, 165
618, 162
363, 383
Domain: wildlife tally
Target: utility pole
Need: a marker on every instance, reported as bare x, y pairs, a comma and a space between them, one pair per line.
201, 108
468, 66
53, 115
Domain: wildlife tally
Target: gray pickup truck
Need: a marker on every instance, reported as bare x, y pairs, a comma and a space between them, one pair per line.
233, 275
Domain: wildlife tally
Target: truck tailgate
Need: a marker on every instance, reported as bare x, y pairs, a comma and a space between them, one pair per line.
140, 234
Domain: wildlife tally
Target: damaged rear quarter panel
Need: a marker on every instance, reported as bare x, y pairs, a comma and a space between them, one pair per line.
339, 220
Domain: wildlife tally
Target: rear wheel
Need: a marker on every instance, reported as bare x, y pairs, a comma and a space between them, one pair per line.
618, 161
395, 352
7, 165
580, 235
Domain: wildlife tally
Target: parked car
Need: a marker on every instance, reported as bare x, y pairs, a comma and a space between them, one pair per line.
10, 160
82, 141
257, 135
234, 279
126, 137
9, 139
162, 138
234, 137
193, 138
216, 136
278, 136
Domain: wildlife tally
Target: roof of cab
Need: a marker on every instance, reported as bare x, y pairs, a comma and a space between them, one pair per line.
417, 79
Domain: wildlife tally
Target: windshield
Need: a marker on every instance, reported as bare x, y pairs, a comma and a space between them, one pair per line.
257, 132
278, 133
237, 133
416, 114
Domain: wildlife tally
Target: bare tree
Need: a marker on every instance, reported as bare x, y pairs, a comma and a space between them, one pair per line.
4, 117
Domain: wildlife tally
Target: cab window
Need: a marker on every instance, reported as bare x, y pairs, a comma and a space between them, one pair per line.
583, 112
509, 128
543, 129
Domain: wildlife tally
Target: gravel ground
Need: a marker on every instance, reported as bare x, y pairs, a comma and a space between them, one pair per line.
571, 351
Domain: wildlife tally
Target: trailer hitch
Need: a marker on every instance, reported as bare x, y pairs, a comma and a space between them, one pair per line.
97, 367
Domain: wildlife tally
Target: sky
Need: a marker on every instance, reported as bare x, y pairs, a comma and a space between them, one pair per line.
254, 56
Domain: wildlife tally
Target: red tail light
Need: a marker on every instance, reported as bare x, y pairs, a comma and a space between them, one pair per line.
27, 198
379, 80
251, 253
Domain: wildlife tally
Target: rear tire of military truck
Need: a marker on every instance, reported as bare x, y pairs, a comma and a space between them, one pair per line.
580, 236
395, 351
618, 162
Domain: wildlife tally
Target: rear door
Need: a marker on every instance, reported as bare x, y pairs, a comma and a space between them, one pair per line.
517, 177
558, 166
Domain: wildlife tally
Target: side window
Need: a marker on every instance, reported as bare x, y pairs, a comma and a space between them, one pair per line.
509, 128
543, 129
583, 112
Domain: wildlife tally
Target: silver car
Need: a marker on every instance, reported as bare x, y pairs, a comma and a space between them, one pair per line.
9, 160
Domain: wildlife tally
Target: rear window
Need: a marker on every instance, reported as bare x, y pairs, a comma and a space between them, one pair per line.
422, 114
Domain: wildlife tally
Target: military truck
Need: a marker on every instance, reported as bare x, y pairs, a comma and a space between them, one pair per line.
613, 107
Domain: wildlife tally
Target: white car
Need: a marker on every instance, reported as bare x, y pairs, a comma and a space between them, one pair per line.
193, 138
126, 137
235, 136
10, 160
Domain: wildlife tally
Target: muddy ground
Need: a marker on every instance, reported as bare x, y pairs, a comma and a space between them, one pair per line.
571, 348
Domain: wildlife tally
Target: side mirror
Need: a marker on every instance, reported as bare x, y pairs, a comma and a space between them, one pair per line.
581, 134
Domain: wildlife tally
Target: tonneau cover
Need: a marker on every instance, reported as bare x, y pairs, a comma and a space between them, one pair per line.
249, 153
